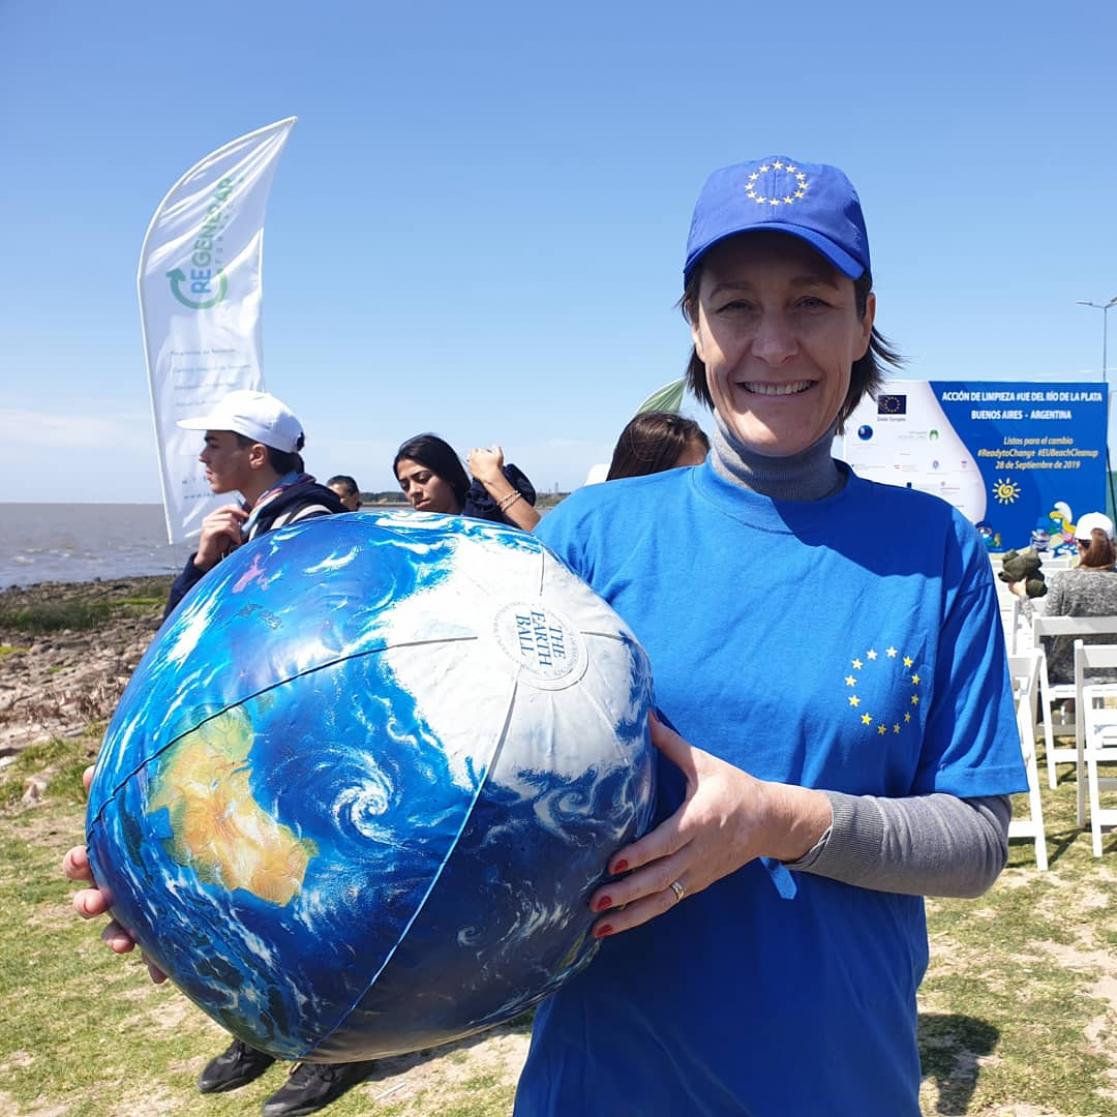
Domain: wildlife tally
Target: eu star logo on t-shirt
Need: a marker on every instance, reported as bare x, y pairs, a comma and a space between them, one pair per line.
884, 690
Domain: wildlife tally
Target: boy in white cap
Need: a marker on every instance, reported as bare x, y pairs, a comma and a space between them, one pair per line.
252, 444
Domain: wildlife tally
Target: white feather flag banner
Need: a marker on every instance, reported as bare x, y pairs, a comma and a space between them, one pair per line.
200, 288
667, 398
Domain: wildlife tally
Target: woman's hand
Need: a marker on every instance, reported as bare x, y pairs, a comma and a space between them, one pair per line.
727, 819
487, 466
90, 903
486, 463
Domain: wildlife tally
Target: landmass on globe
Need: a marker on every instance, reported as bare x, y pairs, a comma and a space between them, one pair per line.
218, 828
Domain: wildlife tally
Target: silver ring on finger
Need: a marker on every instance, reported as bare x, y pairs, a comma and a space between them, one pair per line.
678, 889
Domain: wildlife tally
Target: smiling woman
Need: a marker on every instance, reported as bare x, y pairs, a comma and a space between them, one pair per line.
778, 331
762, 946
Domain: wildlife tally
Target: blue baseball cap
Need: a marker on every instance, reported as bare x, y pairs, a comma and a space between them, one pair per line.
812, 201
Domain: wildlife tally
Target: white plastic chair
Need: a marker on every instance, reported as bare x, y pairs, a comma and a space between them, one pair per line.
1005, 596
1024, 670
1050, 692
1018, 632
1052, 563
1096, 735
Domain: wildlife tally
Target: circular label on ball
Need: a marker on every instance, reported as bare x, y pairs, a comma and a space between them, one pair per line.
543, 643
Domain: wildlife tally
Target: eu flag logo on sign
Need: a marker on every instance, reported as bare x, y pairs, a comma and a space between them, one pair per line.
892, 405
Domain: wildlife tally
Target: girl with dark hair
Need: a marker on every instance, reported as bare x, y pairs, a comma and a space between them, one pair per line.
433, 479
655, 441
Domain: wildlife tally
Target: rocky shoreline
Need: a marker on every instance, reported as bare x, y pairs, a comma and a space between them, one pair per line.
67, 650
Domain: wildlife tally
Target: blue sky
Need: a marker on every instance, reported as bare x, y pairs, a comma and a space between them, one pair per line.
478, 224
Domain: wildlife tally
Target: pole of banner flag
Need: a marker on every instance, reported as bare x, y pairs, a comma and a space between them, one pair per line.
1105, 308
200, 289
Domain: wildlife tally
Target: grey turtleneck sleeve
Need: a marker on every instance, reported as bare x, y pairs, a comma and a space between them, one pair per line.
926, 845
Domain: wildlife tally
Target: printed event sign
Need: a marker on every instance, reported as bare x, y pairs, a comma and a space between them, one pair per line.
200, 292
1014, 457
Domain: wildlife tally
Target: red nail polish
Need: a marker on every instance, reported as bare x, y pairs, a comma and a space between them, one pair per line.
602, 931
620, 867
603, 904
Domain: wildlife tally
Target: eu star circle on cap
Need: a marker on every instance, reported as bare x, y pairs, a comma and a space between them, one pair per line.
256, 415
1091, 520
812, 201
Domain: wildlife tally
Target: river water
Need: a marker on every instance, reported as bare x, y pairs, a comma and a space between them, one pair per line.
80, 542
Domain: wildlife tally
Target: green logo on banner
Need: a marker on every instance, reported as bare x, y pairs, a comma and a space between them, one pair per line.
178, 278
206, 285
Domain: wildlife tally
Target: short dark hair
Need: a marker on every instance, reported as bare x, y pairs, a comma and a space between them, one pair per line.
439, 457
653, 442
1099, 550
866, 375
279, 460
346, 482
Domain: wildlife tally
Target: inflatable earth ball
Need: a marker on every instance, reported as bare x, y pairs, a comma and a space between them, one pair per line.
358, 792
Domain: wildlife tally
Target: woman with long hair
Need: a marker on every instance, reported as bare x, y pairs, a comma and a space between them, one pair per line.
657, 440
1088, 590
433, 479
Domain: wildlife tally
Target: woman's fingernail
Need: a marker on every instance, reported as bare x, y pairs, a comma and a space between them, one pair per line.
603, 904
602, 931
620, 867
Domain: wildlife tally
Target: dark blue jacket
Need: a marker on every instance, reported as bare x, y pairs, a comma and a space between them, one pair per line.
303, 501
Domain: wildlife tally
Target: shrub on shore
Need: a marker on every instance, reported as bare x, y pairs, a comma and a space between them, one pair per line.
79, 606
54, 616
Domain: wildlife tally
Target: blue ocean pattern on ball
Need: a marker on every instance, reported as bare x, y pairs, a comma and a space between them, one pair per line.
357, 794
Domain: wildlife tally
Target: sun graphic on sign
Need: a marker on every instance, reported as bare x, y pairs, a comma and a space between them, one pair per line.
1005, 491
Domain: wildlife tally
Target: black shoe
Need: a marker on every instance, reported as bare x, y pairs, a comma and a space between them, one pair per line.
236, 1066
313, 1086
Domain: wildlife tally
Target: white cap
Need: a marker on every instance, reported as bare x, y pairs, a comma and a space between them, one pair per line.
256, 415
1091, 520
597, 474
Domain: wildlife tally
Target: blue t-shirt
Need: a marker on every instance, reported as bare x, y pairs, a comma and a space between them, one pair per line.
849, 644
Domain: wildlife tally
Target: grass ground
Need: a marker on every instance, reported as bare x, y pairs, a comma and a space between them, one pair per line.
1016, 1014
1018, 1009
76, 607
